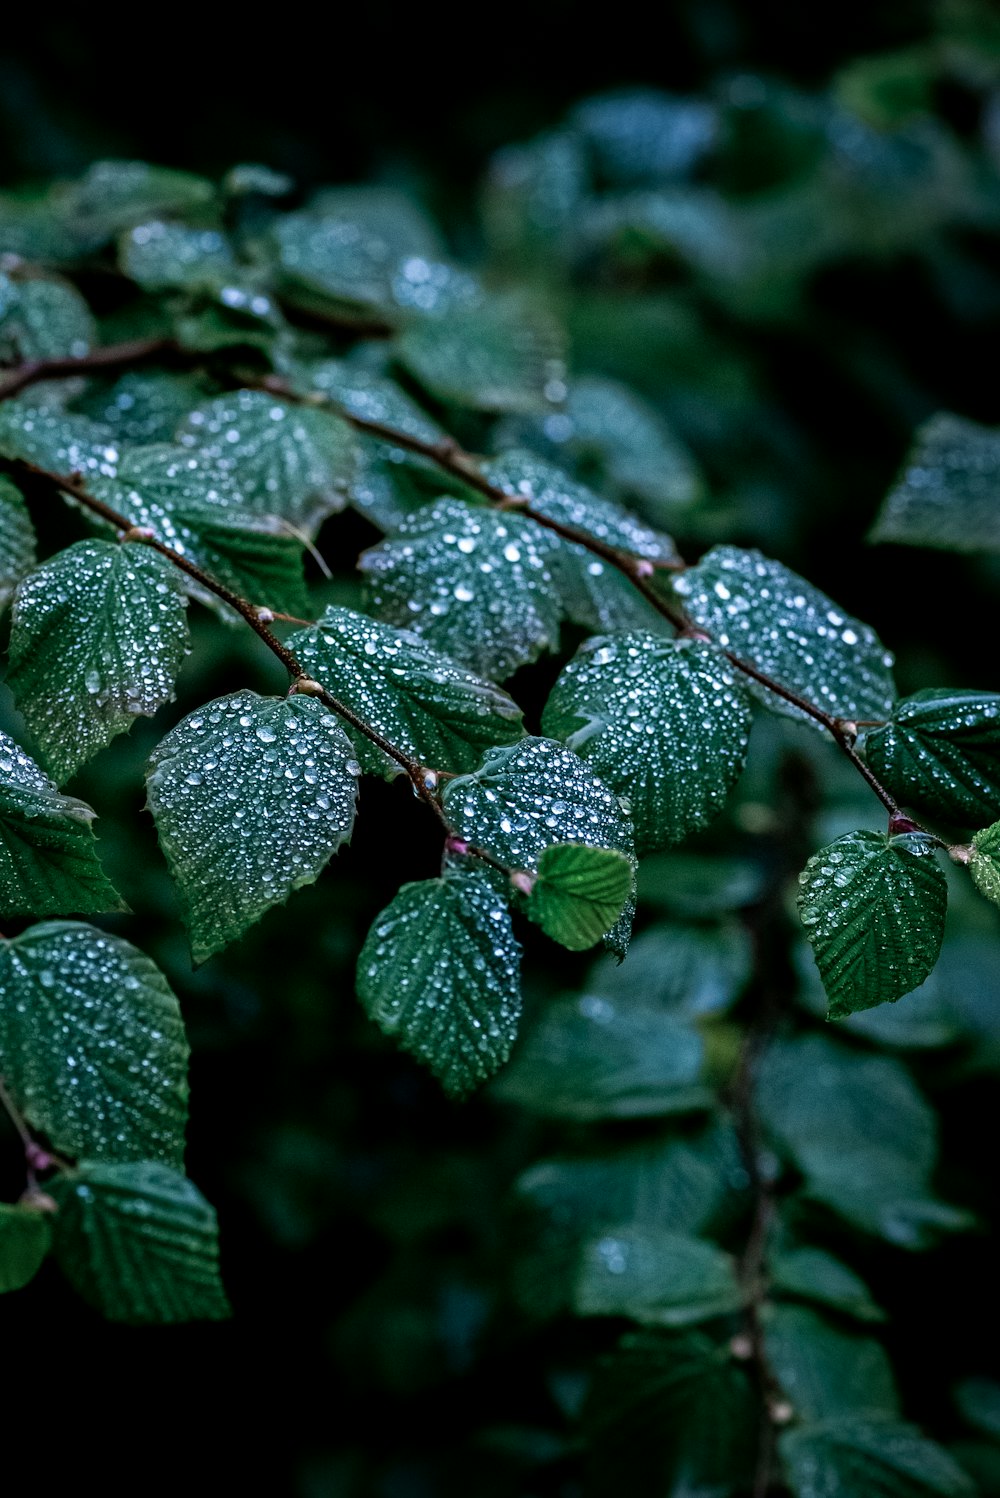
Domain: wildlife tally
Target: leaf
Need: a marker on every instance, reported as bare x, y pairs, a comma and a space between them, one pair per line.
48, 860
660, 1278
439, 970
579, 893
825, 1371
813, 1275
593, 592
873, 908
60, 441
161, 256
473, 583
946, 494
681, 970
637, 451
535, 793
420, 700
978, 1401
295, 462
98, 635
111, 195
791, 631
25, 1238
941, 751
142, 406
984, 862
869, 1458
139, 1242
665, 723
17, 540
92, 1044
43, 319
251, 797
666, 1409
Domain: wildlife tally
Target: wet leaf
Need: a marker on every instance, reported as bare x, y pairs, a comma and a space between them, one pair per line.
852, 1456
17, 540
946, 494
941, 751
655, 1278
579, 893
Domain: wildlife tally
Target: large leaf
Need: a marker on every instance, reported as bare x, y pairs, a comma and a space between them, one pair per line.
788, 629
61, 441
524, 798
873, 908
420, 700
941, 751
107, 623
48, 859
25, 1239
92, 1044
665, 723
855, 1457
17, 540
439, 970
579, 893
474, 583
251, 797
946, 495
825, 1370
143, 405
43, 319
295, 462
139, 1242
656, 1278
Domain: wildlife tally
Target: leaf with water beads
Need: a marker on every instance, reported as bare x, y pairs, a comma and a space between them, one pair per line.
579, 893
426, 704
295, 462
251, 797
43, 319
776, 621
92, 1044
946, 496
984, 862
98, 635
873, 908
524, 798
664, 722
439, 970
855, 1455
139, 1242
112, 194
941, 751
17, 540
25, 1239
161, 256
142, 406
657, 1278
473, 583
48, 859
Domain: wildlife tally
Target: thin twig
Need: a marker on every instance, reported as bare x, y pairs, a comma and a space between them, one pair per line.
111, 356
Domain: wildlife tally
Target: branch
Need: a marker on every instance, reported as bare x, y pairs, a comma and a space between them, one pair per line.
111, 356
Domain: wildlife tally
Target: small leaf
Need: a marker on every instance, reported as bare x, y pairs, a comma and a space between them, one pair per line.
665, 723
473, 583
684, 970
139, 1242
636, 449
579, 893
946, 495
48, 859
25, 1239
788, 629
98, 636
251, 797
978, 1401
941, 751
655, 1278
825, 1371
812, 1275
43, 319
111, 195
143, 406
161, 256
853, 1456
440, 971
92, 1044
420, 700
295, 462
873, 908
17, 540
984, 863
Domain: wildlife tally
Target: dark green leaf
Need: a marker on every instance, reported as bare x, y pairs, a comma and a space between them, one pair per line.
162, 256
941, 751
251, 796
579, 893
946, 496
682, 970
25, 1237
43, 319
984, 862
656, 1278
825, 1371
111, 195
144, 405
869, 1458
811, 1274
17, 540
139, 1242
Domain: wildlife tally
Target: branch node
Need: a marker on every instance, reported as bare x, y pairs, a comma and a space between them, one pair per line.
302, 685
741, 1347
899, 824
961, 853
38, 1201
523, 881
781, 1412
456, 845
138, 533
266, 616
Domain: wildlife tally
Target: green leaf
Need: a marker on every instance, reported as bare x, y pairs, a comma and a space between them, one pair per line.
667, 1409
665, 723
526, 797
92, 1044
682, 970
161, 256
17, 540
984, 862
251, 797
873, 908
48, 859
139, 1242
142, 406
825, 1371
869, 1458
656, 1278
946, 496
43, 319
439, 970
98, 635
473, 583
295, 462
111, 195
25, 1239
788, 629
420, 700
61, 441
941, 752
579, 893
811, 1274
636, 450
978, 1401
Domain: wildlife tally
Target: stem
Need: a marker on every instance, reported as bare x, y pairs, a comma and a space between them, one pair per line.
36, 1156
112, 356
